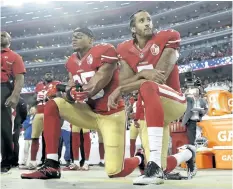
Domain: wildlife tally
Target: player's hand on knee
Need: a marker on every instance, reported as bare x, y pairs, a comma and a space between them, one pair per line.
77, 94
153, 75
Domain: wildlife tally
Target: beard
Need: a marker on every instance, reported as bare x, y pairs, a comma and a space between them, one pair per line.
49, 80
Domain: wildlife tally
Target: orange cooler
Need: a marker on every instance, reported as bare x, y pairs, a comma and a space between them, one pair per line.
217, 130
223, 157
204, 160
219, 102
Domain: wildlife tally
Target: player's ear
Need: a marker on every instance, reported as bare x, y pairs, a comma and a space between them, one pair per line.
133, 29
91, 40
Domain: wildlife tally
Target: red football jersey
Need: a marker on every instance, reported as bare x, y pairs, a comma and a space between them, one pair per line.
148, 57
83, 70
41, 91
11, 64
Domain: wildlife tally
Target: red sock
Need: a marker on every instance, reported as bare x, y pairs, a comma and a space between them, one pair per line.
171, 164
130, 164
101, 150
87, 145
75, 145
132, 147
147, 90
52, 128
34, 148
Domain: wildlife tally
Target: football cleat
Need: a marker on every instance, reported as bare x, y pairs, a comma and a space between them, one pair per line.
72, 167
32, 166
101, 164
153, 175
49, 170
85, 167
191, 166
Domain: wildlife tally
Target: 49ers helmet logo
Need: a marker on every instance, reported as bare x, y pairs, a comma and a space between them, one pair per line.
154, 49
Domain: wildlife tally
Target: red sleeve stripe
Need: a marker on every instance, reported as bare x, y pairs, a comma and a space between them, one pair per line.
171, 94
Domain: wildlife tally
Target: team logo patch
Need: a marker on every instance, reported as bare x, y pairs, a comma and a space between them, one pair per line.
90, 59
154, 49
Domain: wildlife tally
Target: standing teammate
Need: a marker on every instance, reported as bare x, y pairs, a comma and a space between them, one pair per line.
41, 98
12, 81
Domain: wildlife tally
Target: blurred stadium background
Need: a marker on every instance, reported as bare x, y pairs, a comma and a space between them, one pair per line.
41, 33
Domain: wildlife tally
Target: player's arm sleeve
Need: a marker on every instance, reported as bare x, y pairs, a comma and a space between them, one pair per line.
18, 70
173, 39
170, 54
127, 75
100, 80
18, 65
109, 56
71, 81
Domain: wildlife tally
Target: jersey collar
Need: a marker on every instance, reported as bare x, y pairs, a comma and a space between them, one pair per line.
6, 49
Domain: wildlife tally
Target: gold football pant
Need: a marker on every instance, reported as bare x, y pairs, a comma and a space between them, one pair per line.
143, 134
37, 125
111, 127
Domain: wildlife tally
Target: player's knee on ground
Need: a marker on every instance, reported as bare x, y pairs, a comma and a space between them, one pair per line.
114, 159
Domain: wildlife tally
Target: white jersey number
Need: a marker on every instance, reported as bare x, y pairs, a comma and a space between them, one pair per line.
145, 67
84, 77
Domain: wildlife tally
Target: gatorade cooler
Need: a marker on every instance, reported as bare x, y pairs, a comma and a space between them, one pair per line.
217, 130
223, 157
219, 101
204, 160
